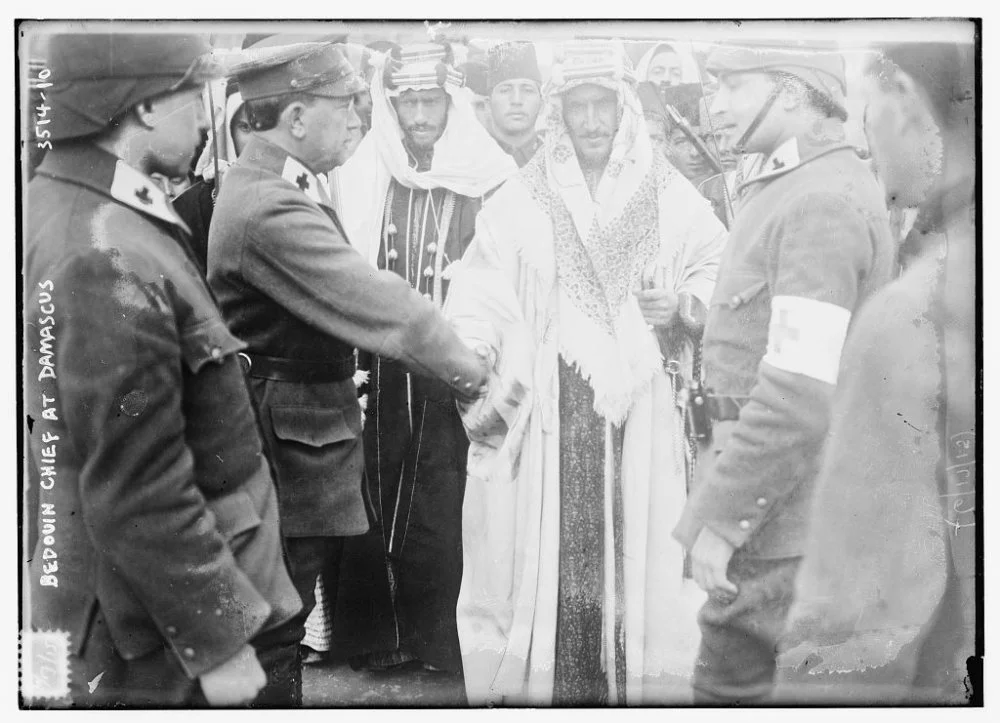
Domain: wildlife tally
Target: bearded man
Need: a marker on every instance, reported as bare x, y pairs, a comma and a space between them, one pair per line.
515, 89
573, 591
410, 196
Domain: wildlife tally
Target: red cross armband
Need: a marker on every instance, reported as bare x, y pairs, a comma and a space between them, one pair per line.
806, 337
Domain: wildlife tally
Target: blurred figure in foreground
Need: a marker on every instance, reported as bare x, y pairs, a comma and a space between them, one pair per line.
890, 560
165, 562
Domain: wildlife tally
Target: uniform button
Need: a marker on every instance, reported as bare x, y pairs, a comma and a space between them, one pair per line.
189, 653
427, 296
216, 352
735, 301
429, 272
392, 229
744, 525
218, 612
393, 255
171, 630
432, 248
456, 379
761, 502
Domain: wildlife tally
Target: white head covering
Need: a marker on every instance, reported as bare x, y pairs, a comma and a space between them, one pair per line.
221, 134
689, 67
603, 64
466, 160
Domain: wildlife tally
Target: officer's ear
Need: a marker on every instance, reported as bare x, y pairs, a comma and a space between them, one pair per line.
145, 114
792, 93
293, 118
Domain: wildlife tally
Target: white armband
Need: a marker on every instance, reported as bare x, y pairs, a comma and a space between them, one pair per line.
806, 337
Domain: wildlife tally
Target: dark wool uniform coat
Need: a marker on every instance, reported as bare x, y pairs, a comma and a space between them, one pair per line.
812, 226
292, 287
157, 514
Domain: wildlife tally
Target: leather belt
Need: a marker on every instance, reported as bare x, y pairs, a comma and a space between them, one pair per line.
722, 408
297, 370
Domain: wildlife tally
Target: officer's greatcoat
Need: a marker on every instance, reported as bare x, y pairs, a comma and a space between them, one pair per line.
290, 285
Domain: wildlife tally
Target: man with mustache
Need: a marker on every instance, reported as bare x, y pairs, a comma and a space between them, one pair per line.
514, 86
291, 285
584, 283
809, 244
410, 196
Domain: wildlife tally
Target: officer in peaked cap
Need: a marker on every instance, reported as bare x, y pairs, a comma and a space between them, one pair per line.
304, 299
161, 555
809, 244
319, 69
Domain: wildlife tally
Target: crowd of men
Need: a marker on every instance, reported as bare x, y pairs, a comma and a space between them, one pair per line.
420, 362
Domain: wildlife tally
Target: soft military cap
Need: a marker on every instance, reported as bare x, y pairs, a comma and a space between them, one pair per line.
315, 68
821, 68
98, 76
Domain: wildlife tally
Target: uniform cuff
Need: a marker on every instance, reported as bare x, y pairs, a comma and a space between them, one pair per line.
210, 636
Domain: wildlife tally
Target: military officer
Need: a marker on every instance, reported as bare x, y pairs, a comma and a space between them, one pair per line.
159, 550
811, 242
290, 284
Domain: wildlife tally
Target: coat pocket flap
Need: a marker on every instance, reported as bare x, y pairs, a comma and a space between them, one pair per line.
313, 426
208, 341
234, 513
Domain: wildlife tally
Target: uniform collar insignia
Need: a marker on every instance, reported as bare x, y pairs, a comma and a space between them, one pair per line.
303, 179
784, 158
138, 191
791, 155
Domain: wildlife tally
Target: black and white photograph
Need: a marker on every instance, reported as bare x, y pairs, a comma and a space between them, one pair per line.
467, 363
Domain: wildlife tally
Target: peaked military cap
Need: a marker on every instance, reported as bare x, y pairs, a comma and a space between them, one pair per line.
316, 68
510, 61
98, 76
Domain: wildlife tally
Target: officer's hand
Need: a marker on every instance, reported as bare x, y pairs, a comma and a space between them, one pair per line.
235, 682
710, 557
658, 306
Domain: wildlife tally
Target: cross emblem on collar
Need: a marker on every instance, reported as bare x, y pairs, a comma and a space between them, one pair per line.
783, 331
143, 195
302, 182
778, 165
